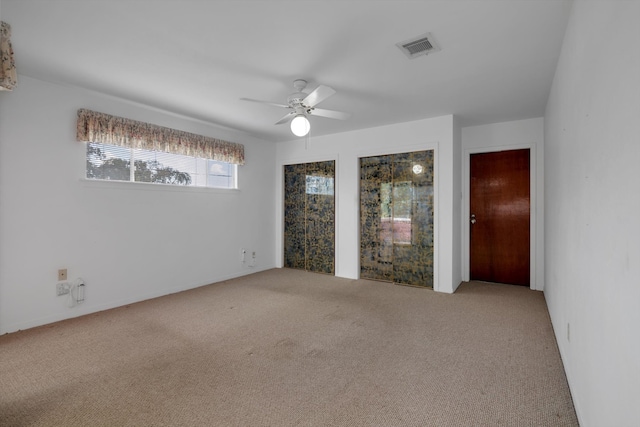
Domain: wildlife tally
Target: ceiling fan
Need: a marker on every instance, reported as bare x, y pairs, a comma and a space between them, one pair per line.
302, 105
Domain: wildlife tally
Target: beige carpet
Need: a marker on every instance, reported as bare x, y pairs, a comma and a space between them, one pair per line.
289, 348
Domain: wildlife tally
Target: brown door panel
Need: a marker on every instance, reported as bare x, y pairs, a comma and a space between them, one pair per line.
500, 217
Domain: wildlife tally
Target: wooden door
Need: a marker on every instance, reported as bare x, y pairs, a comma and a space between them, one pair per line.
500, 217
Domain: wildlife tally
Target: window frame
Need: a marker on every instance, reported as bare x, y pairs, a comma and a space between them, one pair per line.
233, 168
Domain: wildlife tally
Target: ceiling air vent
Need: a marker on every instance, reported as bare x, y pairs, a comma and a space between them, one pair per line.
417, 46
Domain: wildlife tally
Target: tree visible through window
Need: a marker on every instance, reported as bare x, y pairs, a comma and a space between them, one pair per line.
109, 162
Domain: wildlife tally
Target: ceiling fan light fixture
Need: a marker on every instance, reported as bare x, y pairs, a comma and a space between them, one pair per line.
300, 125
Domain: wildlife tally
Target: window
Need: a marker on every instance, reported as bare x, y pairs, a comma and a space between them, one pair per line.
111, 162
122, 149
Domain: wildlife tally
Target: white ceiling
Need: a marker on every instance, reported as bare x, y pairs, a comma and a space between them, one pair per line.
198, 58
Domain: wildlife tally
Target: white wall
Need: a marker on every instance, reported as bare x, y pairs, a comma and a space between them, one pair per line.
513, 135
346, 149
129, 242
456, 201
592, 189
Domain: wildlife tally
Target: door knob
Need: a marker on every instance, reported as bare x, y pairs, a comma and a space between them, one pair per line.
473, 218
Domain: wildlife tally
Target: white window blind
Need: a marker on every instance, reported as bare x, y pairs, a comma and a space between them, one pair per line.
116, 163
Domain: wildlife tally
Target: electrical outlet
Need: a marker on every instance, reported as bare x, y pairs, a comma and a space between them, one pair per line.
62, 274
62, 289
242, 254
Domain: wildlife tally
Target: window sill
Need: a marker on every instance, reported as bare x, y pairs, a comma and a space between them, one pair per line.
148, 186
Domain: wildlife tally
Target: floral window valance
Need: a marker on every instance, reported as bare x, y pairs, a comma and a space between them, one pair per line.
8, 74
106, 129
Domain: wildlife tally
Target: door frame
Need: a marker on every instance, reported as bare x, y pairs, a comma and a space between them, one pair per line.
536, 276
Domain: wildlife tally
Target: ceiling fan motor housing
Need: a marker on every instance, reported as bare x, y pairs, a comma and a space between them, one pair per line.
295, 99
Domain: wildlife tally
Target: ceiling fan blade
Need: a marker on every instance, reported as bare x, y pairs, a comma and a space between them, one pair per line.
286, 118
264, 102
318, 95
330, 114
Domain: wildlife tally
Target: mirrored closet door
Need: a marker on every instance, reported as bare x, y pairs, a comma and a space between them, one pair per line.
309, 216
396, 218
